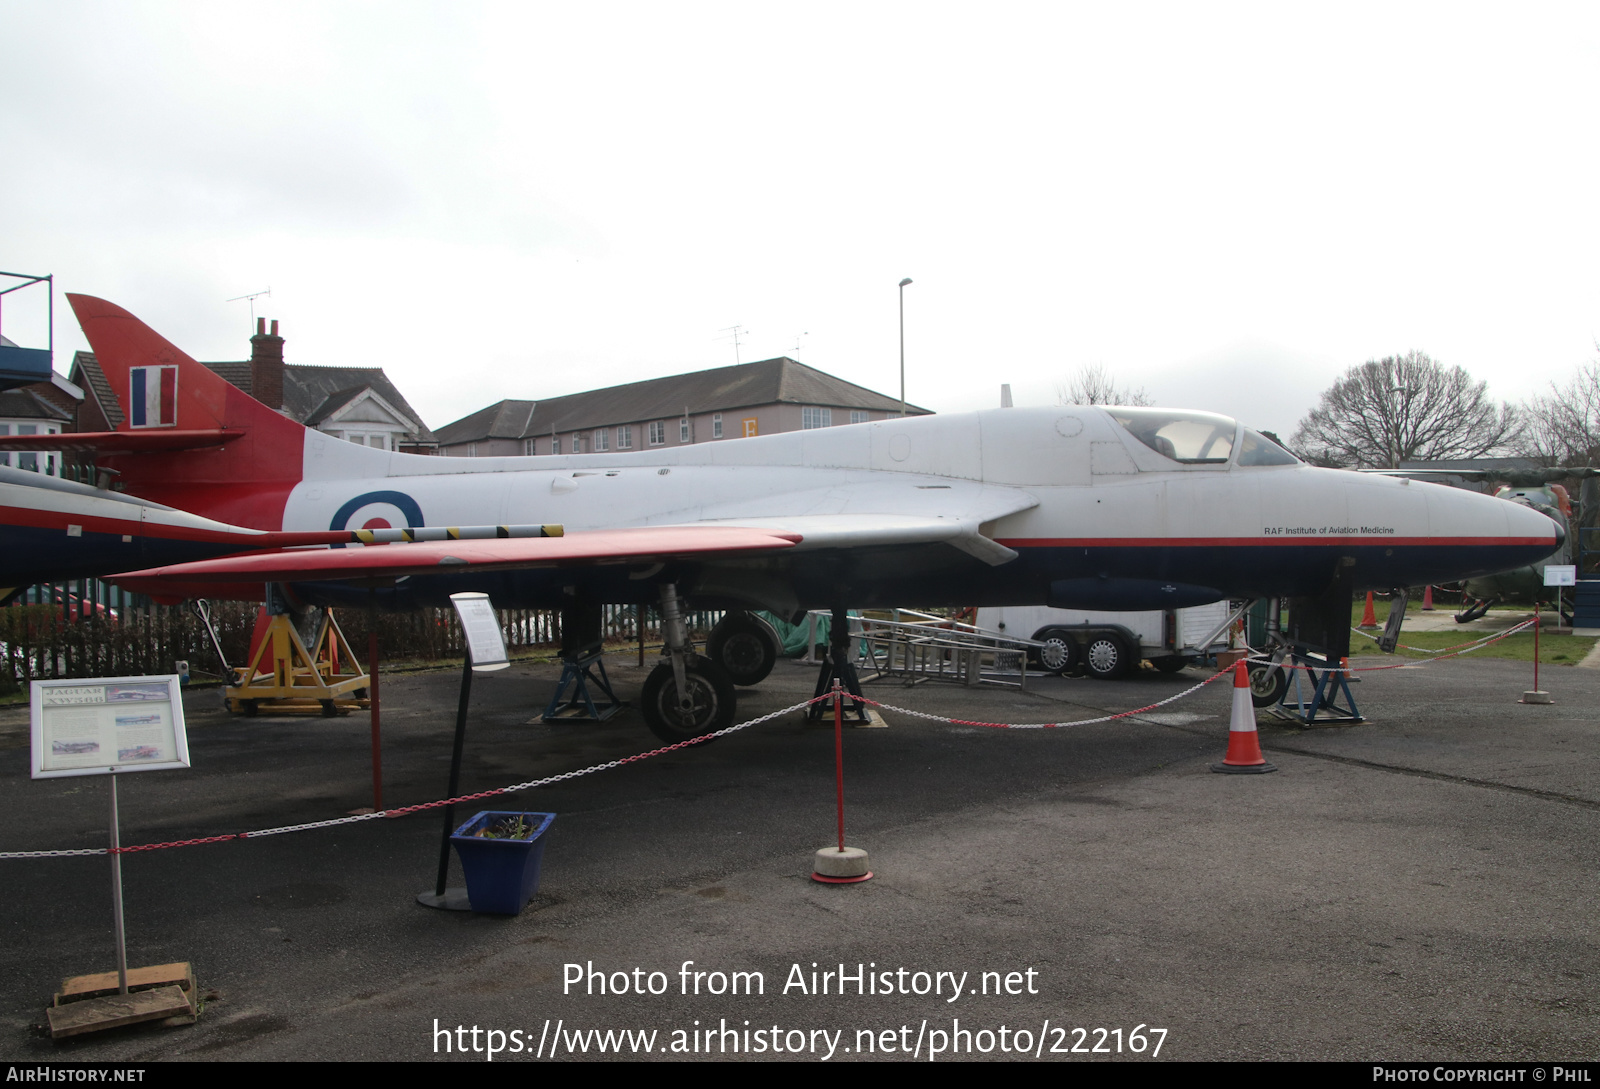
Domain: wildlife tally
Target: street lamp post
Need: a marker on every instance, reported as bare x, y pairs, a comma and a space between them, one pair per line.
903, 284
1398, 424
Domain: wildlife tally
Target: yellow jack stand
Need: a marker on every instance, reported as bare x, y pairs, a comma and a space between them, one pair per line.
300, 682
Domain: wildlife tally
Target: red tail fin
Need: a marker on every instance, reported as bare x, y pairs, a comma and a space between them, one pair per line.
246, 481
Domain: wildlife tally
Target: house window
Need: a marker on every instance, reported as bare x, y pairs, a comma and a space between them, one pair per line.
529, 447
658, 432
858, 416
472, 449
716, 426
602, 439
815, 417
577, 444
683, 429
625, 437
47, 463
555, 444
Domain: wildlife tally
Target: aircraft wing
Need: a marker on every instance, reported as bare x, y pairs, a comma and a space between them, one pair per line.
647, 543
705, 539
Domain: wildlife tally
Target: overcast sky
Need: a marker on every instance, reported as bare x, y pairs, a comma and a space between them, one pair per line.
1226, 204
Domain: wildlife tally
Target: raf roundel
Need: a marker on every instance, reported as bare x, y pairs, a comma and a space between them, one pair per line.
378, 510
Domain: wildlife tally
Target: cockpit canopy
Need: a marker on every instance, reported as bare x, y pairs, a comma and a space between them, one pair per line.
1199, 438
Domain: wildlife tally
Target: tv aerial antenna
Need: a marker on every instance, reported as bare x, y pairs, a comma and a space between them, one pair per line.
252, 297
735, 332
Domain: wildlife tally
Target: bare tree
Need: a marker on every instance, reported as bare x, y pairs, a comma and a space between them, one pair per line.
1093, 386
1404, 408
1563, 428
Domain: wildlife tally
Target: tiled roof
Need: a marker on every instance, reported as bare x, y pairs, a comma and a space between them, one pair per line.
24, 404
501, 420
308, 390
89, 375
333, 403
746, 385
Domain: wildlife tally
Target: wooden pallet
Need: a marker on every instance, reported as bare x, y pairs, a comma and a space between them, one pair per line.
92, 1003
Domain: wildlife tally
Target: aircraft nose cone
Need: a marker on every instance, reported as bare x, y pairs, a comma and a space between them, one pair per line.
1561, 533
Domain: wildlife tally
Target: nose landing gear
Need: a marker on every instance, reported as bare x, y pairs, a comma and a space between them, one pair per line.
687, 695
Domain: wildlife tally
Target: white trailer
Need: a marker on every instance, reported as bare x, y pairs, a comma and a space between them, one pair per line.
1109, 645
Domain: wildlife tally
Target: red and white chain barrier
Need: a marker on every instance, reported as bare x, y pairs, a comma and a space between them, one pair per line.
1435, 655
1191, 690
407, 809
1467, 648
1493, 637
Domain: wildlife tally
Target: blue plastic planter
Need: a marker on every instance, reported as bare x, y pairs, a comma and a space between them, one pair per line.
502, 874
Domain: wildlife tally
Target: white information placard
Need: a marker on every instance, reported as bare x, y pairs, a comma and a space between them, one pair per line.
1561, 574
107, 725
482, 629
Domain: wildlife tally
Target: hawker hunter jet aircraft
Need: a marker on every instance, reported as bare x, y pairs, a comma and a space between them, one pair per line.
1077, 507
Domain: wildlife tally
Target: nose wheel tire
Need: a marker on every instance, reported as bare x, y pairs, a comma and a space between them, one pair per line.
1107, 657
1267, 684
710, 706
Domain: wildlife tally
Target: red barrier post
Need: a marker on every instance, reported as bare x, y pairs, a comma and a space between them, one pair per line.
377, 747
1537, 695
838, 755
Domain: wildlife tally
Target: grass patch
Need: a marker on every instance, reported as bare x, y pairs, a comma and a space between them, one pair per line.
1553, 649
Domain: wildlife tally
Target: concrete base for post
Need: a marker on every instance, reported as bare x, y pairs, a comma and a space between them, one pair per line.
1536, 696
874, 722
833, 866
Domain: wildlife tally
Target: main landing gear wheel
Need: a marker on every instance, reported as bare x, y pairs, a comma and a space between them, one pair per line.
1268, 682
1107, 657
1059, 653
744, 646
711, 700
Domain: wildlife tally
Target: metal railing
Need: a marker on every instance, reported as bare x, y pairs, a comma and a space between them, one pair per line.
89, 628
916, 647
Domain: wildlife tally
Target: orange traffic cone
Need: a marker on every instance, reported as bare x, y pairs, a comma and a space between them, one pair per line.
1427, 599
1369, 619
1244, 746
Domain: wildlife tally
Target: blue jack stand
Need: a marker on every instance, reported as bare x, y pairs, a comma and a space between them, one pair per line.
578, 672
1327, 683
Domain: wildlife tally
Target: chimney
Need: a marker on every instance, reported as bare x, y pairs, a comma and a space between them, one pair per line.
266, 365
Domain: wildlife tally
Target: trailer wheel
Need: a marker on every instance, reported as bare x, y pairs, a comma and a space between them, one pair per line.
1059, 653
1172, 663
1107, 656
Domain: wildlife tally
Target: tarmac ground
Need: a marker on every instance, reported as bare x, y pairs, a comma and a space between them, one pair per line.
1419, 887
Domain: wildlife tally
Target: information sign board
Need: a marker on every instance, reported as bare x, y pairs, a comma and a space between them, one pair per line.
107, 725
1561, 574
482, 629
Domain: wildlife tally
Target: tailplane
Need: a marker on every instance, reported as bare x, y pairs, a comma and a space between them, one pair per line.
227, 456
